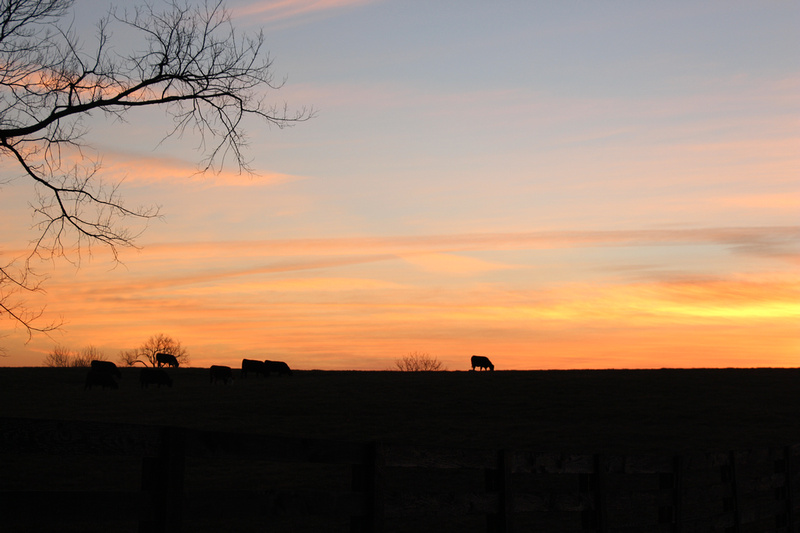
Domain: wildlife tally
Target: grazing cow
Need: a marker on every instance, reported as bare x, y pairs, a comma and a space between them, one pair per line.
279, 367
481, 362
107, 367
99, 378
220, 373
251, 365
154, 376
166, 359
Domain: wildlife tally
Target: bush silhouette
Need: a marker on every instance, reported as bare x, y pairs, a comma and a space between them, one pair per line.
418, 362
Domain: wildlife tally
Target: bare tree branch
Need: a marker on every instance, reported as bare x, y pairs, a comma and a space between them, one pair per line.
190, 61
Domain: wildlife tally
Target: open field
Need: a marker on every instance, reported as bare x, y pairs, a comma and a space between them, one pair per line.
624, 411
582, 412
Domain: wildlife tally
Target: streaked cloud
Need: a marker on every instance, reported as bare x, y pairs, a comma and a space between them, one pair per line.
751, 240
452, 264
142, 169
279, 10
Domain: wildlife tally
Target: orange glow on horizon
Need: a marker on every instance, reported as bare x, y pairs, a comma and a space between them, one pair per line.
362, 323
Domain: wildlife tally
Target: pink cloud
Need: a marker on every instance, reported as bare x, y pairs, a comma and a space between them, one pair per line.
138, 168
274, 11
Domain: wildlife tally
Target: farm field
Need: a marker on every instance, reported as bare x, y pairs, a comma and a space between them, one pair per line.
597, 411
633, 412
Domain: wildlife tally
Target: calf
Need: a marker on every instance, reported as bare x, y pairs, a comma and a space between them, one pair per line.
481, 362
279, 367
99, 378
220, 373
166, 359
106, 366
154, 376
251, 365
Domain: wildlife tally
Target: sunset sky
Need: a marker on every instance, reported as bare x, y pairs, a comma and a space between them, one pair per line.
551, 184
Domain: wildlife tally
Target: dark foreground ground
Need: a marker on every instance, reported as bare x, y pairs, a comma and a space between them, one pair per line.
567, 411
584, 412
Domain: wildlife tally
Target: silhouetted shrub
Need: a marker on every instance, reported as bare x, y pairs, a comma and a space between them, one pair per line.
418, 362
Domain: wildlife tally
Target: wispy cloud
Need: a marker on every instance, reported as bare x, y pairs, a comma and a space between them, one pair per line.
746, 239
139, 168
280, 10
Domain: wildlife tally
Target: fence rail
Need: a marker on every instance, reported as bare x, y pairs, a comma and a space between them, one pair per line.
738, 491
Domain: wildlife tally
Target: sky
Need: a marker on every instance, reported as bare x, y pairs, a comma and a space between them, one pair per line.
554, 185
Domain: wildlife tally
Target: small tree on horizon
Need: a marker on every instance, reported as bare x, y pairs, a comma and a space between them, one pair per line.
419, 362
146, 353
63, 357
59, 356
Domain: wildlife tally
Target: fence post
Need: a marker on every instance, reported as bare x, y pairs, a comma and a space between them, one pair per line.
677, 493
737, 524
600, 496
788, 466
368, 478
162, 477
499, 480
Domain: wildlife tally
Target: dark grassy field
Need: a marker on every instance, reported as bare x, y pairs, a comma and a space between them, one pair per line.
615, 411
577, 411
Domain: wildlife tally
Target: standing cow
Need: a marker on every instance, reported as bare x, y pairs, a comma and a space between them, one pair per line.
481, 362
154, 376
166, 359
251, 365
99, 378
220, 373
107, 367
278, 367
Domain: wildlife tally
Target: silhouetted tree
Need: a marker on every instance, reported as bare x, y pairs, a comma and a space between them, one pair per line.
418, 362
146, 353
61, 356
189, 60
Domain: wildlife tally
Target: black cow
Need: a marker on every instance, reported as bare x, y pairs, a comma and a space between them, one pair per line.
481, 362
106, 366
251, 365
154, 376
278, 367
99, 378
166, 359
220, 373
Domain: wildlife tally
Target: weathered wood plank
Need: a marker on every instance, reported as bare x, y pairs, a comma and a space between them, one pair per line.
274, 503
281, 449
407, 504
36, 507
70, 437
552, 463
431, 457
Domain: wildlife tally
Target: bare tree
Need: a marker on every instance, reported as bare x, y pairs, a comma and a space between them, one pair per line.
146, 353
418, 362
129, 357
88, 354
61, 356
190, 61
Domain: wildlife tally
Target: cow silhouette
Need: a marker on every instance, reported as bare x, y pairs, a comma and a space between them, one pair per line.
166, 359
481, 362
279, 367
220, 373
154, 376
99, 378
106, 366
251, 365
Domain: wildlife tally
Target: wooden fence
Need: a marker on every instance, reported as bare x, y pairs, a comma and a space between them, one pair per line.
391, 487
